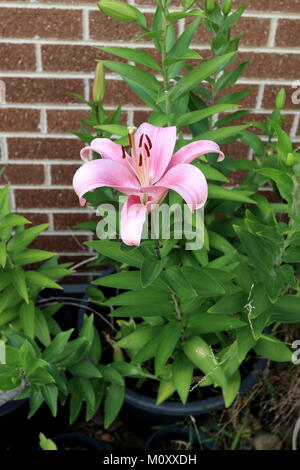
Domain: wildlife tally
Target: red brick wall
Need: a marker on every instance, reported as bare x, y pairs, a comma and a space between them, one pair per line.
47, 50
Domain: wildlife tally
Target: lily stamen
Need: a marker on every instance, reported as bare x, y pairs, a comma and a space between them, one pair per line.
149, 141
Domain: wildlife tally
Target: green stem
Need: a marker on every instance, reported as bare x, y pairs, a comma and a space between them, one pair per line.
164, 56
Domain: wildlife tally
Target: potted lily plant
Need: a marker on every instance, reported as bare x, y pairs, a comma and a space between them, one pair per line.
192, 324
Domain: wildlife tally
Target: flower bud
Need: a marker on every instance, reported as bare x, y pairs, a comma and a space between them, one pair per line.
99, 83
119, 11
280, 99
226, 6
210, 5
290, 159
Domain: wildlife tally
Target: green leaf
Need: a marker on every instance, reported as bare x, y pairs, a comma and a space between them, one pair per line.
113, 403
287, 309
138, 338
57, 345
210, 172
13, 220
196, 116
45, 443
167, 342
201, 355
273, 349
42, 328
135, 55
231, 391
174, 277
218, 135
19, 283
116, 129
134, 74
22, 239
151, 269
282, 180
203, 323
3, 253
230, 77
31, 256
182, 373
110, 374
165, 390
197, 75
140, 297
50, 395
252, 140
123, 280
203, 282
27, 318
113, 250
85, 369
230, 304
36, 278
220, 192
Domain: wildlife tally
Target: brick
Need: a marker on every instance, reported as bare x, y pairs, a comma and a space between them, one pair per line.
59, 243
31, 23
264, 65
254, 32
140, 117
46, 148
104, 28
17, 56
23, 174
43, 198
42, 90
71, 58
19, 120
63, 174
68, 221
118, 92
65, 120
289, 6
36, 218
292, 96
287, 34
238, 150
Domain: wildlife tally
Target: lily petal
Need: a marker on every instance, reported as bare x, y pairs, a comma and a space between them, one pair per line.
105, 147
189, 182
163, 142
189, 152
97, 173
132, 219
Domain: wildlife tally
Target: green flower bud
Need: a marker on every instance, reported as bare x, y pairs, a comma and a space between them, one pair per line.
116, 10
280, 99
210, 5
226, 6
99, 83
290, 159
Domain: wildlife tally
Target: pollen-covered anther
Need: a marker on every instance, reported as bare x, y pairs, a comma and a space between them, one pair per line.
123, 152
141, 140
140, 160
147, 150
149, 141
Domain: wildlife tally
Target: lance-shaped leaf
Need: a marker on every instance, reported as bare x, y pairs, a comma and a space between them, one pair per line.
167, 342
182, 372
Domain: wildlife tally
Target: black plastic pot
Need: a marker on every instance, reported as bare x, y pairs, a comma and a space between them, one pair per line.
144, 411
75, 440
177, 432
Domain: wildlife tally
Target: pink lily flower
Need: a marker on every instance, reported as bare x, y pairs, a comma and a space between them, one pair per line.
146, 175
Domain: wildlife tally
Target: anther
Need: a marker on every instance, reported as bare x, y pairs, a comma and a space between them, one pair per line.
123, 152
149, 141
147, 150
141, 140
140, 160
